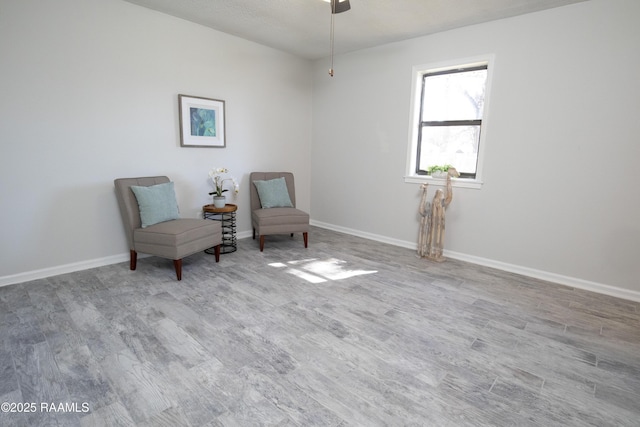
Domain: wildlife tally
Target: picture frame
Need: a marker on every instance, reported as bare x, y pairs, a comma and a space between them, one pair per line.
202, 122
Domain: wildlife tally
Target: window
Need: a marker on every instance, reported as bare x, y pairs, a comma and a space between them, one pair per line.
447, 119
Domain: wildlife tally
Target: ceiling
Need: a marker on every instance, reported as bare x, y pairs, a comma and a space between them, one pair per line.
302, 27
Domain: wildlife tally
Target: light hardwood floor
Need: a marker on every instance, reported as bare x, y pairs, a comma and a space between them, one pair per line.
348, 332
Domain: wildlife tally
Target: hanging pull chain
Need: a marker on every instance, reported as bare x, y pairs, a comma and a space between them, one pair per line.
331, 39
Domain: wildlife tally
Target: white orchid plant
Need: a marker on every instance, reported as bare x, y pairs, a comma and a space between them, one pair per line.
219, 176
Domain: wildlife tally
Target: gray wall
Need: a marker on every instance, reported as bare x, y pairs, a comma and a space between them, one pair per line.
560, 198
89, 92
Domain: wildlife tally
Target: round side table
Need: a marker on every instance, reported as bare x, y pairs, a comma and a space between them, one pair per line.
227, 217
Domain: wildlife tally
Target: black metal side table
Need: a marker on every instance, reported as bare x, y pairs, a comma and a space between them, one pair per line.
227, 216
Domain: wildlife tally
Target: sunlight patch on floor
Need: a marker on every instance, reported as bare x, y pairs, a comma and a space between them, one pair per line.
318, 271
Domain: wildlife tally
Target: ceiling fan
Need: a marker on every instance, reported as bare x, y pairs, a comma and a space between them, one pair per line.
337, 6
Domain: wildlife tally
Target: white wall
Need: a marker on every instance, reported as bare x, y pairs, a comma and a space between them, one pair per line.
89, 92
560, 198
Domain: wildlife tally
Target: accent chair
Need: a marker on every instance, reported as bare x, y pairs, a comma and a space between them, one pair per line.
273, 206
152, 224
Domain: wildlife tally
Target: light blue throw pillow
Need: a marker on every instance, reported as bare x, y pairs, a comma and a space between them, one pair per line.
273, 193
157, 203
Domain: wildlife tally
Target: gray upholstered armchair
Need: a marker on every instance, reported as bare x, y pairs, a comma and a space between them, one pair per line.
273, 206
152, 224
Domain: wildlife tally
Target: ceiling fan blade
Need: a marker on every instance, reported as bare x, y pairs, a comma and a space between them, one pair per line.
338, 6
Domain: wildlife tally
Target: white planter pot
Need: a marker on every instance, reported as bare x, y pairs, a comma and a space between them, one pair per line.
219, 201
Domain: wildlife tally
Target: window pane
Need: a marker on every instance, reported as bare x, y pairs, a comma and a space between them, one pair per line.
454, 96
453, 145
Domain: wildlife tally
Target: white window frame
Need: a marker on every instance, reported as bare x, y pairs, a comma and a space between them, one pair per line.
418, 72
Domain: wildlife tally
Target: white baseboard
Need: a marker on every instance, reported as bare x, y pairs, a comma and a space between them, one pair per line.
78, 266
244, 234
512, 268
62, 269
370, 236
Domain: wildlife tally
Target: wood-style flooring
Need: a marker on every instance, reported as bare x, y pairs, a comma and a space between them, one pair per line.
348, 332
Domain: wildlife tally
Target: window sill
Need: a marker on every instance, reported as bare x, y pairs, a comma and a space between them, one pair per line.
455, 182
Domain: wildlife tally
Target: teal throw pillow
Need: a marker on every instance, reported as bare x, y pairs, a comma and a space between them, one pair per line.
273, 193
157, 203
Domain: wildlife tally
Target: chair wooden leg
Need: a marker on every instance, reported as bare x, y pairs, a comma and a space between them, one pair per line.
261, 243
305, 235
217, 251
177, 263
254, 234
133, 259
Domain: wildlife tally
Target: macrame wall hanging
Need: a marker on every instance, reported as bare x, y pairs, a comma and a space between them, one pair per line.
431, 236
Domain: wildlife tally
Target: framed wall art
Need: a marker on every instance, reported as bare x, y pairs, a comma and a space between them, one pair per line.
201, 122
